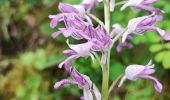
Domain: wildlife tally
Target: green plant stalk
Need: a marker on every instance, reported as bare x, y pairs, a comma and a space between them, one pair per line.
105, 78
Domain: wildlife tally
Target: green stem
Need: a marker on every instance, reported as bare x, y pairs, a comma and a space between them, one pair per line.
120, 3
105, 79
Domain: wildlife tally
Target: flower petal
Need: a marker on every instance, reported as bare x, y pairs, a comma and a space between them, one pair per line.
55, 20
104, 57
81, 49
158, 86
68, 60
67, 8
63, 82
132, 71
96, 92
163, 33
69, 52
131, 3
147, 2
55, 34
87, 95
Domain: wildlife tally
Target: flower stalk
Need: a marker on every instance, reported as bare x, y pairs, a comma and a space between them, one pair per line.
105, 78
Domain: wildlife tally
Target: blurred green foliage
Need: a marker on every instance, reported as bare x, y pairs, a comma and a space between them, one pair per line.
29, 56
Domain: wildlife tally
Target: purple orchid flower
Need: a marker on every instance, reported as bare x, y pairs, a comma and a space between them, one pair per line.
139, 4
69, 10
90, 91
118, 29
142, 24
134, 72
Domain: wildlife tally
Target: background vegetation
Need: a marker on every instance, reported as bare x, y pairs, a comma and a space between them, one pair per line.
29, 56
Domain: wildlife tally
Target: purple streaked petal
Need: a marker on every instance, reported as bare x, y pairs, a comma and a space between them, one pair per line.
76, 76
63, 82
158, 86
163, 33
147, 72
67, 8
55, 34
147, 2
66, 32
69, 52
133, 23
69, 59
55, 20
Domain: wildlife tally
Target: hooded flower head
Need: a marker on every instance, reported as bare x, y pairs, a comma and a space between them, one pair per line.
142, 24
135, 71
139, 4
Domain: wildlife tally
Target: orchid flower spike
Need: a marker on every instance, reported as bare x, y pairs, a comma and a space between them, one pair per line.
135, 71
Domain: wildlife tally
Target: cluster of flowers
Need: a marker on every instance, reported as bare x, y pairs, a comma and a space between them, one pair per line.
78, 25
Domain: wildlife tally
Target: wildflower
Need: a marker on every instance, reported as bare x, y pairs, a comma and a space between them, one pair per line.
90, 91
145, 23
134, 72
139, 4
118, 29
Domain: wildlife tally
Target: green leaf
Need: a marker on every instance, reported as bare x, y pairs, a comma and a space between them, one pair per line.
40, 59
159, 56
153, 37
34, 82
156, 47
166, 61
20, 91
27, 59
139, 39
167, 45
116, 69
